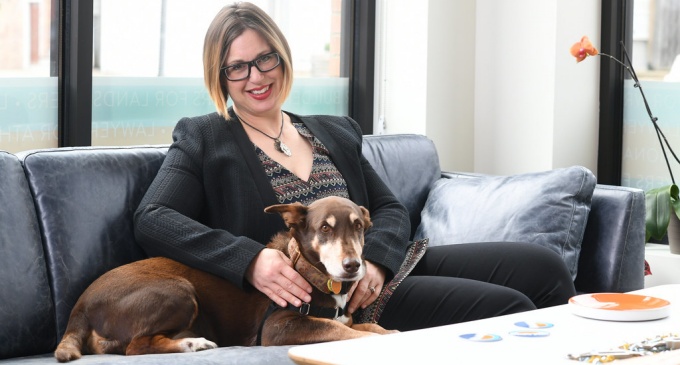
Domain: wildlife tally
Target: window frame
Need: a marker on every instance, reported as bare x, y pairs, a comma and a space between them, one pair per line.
75, 73
75, 29
616, 26
362, 55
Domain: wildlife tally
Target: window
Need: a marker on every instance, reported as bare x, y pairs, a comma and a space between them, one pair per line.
28, 82
146, 67
656, 59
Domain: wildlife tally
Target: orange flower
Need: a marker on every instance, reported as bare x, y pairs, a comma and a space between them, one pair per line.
583, 49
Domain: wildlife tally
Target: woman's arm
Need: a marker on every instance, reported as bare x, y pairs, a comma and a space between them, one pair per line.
169, 219
201, 208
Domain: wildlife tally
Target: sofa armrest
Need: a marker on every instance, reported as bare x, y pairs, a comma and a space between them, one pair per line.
613, 250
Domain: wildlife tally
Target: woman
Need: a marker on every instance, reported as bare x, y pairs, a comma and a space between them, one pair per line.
205, 207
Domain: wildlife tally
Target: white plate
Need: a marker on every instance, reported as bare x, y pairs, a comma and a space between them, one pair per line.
619, 307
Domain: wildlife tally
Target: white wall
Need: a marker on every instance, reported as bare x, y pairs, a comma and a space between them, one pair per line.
451, 82
577, 87
513, 100
514, 83
402, 71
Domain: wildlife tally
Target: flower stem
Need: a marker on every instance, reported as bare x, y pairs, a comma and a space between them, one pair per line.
659, 134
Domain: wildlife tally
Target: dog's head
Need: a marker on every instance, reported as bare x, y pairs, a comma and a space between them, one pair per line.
330, 232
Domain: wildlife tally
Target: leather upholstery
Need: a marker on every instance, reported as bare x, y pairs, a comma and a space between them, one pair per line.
408, 164
85, 200
612, 254
26, 322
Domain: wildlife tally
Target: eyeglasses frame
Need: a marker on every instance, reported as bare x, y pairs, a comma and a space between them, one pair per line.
250, 64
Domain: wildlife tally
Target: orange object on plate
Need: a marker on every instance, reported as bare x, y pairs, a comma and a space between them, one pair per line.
619, 306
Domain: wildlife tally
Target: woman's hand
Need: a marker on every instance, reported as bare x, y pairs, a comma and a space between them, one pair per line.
271, 272
366, 291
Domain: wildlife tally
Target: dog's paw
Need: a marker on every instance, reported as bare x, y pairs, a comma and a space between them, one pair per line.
197, 344
63, 355
66, 352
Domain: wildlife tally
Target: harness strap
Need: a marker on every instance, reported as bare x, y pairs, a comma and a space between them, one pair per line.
272, 307
307, 309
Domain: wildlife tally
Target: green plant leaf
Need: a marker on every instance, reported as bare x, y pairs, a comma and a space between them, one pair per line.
659, 203
675, 203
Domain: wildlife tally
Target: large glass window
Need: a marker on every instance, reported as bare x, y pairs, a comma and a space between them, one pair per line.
148, 71
28, 82
656, 58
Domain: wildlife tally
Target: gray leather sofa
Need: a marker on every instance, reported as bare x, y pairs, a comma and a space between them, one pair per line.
66, 218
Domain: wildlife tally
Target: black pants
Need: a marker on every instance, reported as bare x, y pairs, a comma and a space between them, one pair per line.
464, 282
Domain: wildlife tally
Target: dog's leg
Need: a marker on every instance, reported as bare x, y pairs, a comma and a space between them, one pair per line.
168, 331
157, 344
77, 333
134, 309
372, 327
297, 330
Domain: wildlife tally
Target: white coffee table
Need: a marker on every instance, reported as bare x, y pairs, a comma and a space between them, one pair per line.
443, 345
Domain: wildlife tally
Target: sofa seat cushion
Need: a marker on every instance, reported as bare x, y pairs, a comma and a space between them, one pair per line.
548, 208
234, 355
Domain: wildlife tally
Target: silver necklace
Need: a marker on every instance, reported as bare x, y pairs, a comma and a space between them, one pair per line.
278, 144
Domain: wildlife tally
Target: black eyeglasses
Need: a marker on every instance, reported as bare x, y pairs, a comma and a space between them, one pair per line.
241, 71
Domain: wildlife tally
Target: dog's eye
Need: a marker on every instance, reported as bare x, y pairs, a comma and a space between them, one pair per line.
325, 228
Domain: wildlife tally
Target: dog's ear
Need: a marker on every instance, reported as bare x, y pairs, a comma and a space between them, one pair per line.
367, 218
293, 214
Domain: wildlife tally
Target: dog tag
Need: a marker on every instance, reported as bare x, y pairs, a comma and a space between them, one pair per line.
334, 286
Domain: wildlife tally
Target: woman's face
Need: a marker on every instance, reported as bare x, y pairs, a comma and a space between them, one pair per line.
257, 95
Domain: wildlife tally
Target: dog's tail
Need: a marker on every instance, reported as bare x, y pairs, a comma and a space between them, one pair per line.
71, 344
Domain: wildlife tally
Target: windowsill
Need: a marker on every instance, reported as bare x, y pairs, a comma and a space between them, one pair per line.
665, 266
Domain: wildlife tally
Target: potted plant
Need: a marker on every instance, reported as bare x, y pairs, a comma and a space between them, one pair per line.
662, 204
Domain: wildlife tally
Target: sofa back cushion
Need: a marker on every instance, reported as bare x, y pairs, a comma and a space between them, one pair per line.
85, 199
548, 208
408, 164
26, 323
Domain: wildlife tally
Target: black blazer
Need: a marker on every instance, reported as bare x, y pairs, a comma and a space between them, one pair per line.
205, 208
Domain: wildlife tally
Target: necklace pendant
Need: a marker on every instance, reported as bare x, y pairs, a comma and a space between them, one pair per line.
281, 147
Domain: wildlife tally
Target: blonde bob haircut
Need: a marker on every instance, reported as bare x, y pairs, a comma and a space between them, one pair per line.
229, 24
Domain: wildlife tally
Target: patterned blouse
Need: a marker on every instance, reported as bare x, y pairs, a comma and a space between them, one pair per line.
324, 180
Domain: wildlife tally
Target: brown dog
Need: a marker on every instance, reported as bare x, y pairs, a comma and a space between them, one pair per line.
159, 305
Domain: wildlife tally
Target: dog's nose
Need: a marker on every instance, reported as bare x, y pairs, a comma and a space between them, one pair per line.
351, 265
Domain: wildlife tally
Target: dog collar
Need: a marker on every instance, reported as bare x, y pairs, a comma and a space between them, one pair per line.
313, 275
